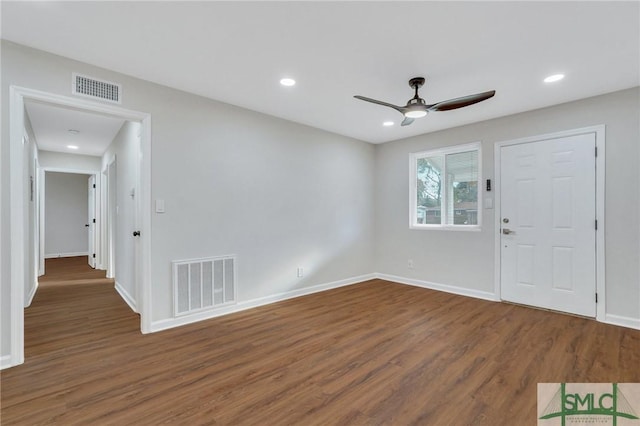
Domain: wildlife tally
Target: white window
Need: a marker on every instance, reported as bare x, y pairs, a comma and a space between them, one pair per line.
445, 188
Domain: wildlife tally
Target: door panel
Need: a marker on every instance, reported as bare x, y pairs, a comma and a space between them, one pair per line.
548, 238
91, 221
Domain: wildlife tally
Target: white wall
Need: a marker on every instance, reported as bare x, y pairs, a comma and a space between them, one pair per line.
61, 160
278, 195
466, 259
66, 208
125, 148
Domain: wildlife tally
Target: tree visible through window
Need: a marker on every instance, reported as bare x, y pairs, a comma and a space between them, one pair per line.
445, 187
429, 189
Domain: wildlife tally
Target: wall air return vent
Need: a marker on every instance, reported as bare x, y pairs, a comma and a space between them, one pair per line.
203, 284
96, 89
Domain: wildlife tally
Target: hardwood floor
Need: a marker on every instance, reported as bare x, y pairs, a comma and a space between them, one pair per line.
372, 353
69, 271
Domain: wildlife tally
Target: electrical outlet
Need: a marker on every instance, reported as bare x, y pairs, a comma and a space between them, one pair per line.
300, 272
410, 263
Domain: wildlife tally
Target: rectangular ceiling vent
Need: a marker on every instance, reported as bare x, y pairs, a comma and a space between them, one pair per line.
96, 89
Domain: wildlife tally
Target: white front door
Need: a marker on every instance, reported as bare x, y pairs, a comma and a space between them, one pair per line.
91, 219
547, 218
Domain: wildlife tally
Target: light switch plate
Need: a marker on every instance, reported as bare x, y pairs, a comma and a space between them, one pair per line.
488, 203
159, 206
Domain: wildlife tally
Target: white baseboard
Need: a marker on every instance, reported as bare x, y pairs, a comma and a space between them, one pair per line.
462, 291
254, 303
31, 295
126, 297
6, 361
622, 321
56, 255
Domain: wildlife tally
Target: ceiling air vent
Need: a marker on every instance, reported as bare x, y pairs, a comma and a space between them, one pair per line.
96, 89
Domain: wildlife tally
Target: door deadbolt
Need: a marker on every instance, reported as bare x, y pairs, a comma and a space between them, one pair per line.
505, 220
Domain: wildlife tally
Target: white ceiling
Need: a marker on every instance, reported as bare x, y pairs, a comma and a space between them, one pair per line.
237, 52
51, 125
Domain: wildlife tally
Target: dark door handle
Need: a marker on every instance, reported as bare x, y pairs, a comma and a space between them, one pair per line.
86, 225
136, 233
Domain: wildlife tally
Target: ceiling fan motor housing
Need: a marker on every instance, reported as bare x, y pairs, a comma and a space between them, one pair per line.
416, 82
416, 106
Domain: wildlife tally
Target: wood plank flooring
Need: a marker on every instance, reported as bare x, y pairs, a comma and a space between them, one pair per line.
375, 353
68, 271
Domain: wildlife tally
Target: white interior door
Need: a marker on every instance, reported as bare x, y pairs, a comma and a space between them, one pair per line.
112, 198
547, 214
41, 217
91, 220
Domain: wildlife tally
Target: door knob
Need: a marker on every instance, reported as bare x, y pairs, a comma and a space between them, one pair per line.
136, 233
507, 231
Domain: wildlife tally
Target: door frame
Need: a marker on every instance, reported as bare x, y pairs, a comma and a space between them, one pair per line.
599, 132
41, 211
108, 213
42, 208
20, 248
93, 243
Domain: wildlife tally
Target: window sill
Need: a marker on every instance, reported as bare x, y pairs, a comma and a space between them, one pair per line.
465, 228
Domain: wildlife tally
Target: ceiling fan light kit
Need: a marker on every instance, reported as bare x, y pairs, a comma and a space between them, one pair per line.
416, 113
416, 107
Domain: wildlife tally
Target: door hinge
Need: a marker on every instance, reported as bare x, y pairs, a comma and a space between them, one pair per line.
596, 224
94, 185
94, 220
596, 297
596, 151
94, 255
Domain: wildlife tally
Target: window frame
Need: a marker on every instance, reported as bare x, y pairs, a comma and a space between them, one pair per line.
413, 188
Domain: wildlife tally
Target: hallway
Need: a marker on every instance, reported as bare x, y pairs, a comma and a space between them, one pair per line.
58, 316
66, 271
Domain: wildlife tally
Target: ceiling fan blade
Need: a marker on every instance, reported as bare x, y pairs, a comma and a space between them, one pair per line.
374, 101
461, 102
406, 121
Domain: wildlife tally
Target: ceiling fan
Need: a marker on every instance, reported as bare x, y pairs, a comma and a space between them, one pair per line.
416, 107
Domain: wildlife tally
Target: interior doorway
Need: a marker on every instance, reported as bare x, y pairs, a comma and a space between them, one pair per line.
67, 214
24, 251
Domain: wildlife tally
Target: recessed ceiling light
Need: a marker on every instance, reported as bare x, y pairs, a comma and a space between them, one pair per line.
387, 123
287, 82
73, 131
553, 78
72, 146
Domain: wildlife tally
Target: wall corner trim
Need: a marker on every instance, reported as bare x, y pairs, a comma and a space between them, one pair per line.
126, 297
166, 324
462, 291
